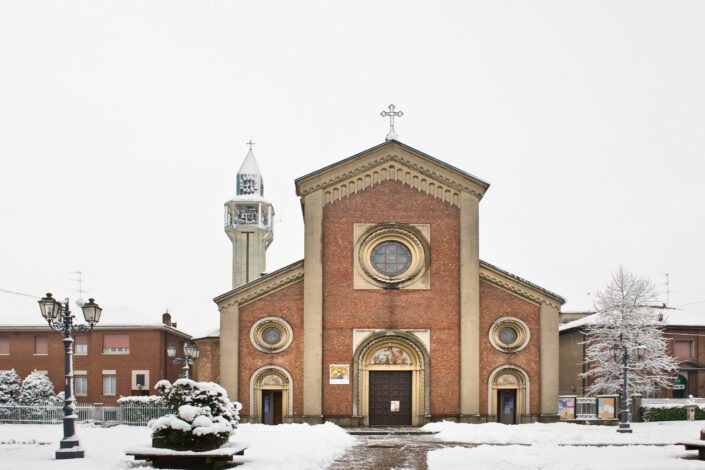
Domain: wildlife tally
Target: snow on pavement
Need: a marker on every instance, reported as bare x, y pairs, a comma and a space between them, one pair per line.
552, 457
566, 445
300, 446
666, 432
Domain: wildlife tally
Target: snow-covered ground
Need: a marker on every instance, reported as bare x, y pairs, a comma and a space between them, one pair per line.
565, 445
666, 432
304, 447
299, 446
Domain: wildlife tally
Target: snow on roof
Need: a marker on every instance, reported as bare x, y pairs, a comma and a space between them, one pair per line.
111, 316
669, 317
249, 165
250, 198
212, 333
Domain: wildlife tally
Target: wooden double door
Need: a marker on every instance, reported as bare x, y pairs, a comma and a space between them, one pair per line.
390, 398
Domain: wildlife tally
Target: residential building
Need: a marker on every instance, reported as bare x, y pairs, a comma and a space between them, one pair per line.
124, 354
685, 331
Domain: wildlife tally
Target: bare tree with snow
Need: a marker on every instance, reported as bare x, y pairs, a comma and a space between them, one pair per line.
625, 319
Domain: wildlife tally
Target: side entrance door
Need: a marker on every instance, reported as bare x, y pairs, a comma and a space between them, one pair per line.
271, 406
390, 398
506, 406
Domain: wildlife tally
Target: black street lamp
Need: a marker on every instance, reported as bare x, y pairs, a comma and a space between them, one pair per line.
621, 352
191, 353
59, 318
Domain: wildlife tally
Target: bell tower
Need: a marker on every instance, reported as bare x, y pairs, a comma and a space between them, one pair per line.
248, 223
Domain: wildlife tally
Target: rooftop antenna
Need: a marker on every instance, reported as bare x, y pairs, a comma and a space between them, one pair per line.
78, 279
668, 290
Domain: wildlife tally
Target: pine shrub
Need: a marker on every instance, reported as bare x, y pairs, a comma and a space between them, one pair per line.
203, 419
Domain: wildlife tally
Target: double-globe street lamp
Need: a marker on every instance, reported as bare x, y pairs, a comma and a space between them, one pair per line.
59, 318
621, 352
191, 353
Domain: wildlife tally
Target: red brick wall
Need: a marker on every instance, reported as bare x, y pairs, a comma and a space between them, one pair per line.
345, 308
207, 367
147, 352
496, 303
286, 303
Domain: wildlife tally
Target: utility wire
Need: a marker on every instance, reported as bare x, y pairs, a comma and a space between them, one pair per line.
692, 303
19, 293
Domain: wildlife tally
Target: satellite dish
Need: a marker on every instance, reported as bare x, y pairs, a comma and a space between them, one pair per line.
80, 302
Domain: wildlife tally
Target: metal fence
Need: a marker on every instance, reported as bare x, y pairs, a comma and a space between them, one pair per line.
133, 414
585, 407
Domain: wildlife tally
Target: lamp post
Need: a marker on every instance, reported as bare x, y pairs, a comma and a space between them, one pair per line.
59, 318
191, 353
622, 353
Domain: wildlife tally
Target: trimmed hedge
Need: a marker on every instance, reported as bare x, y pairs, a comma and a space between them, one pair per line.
669, 414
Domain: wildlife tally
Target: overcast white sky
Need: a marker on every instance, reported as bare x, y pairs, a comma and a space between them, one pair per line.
122, 125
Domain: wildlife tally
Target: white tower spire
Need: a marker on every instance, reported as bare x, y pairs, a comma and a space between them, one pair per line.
248, 222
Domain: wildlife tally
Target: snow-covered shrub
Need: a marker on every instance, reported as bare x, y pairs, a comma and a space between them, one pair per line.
58, 399
36, 390
143, 400
669, 413
10, 383
204, 417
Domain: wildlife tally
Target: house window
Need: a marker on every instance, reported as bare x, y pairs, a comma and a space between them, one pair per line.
41, 345
81, 345
109, 385
116, 344
4, 345
140, 382
683, 349
81, 386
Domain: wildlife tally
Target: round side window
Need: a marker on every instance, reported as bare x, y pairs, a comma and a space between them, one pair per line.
271, 334
509, 334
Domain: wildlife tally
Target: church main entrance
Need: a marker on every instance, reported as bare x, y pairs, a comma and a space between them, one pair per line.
390, 398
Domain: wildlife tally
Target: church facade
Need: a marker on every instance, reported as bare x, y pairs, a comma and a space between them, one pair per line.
391, 318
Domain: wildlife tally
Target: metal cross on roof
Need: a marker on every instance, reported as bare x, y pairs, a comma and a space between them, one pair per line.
250, 143
391, 113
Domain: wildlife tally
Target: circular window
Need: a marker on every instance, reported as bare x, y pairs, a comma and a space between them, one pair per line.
271, 334
391, 258
393, 255
509, 334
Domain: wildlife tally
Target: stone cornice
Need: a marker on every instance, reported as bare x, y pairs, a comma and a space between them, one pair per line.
396, 161
519, 286
261, 287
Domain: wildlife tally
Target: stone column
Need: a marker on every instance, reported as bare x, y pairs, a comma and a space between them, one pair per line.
230, 350
469, 307
313, 307
549, 362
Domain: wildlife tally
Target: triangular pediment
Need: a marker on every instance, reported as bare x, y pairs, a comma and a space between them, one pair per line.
391, 160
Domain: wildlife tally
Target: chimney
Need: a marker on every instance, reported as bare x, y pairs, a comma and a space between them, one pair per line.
166, 319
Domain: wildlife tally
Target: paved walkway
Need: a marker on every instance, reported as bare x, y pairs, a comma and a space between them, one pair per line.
406, 449
403, 450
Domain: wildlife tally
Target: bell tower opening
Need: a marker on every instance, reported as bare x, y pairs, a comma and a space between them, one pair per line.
248, 222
